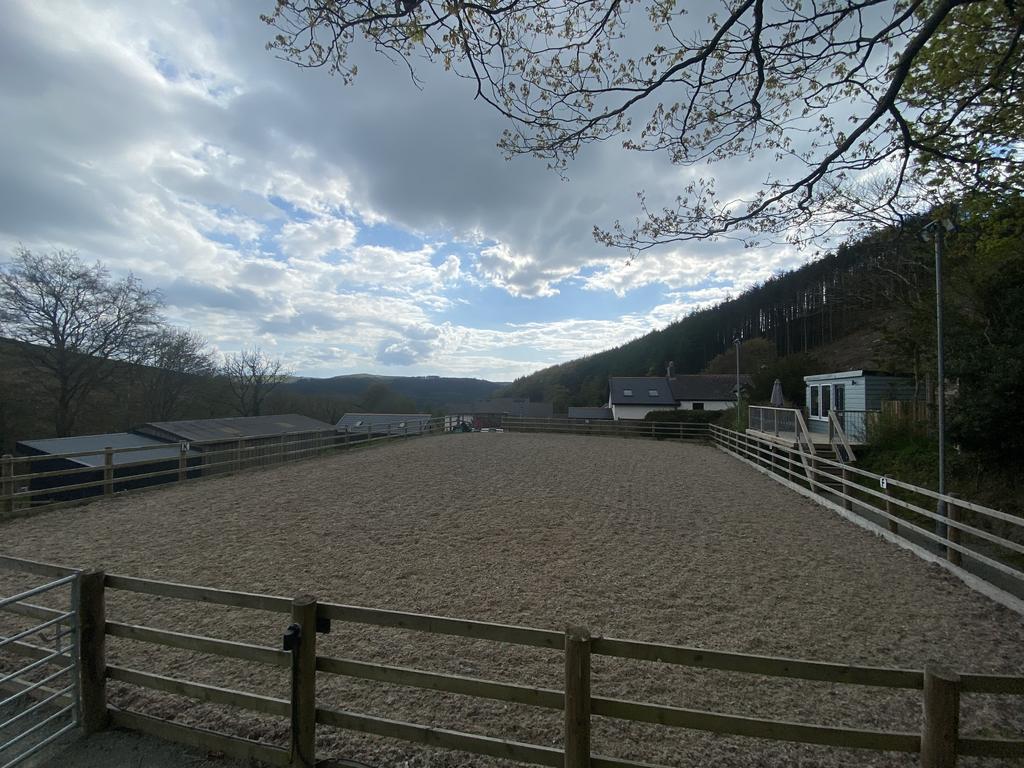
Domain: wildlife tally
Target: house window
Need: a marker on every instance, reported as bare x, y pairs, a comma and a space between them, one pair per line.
627, 393
698, 406
814, 402
826, 391
652, 392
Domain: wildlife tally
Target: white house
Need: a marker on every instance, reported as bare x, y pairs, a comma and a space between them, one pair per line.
706, 392
633, 397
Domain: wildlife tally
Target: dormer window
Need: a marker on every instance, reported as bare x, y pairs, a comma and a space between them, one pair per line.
652, 392
627, 393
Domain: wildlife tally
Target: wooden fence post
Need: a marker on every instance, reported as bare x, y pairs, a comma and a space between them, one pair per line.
7, 483
577, 697
92, 658
941, 727
893, 525
303, 730
182, 462
953, 534
847, 503
108, 471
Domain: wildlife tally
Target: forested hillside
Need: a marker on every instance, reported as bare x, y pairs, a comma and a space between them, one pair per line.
874, 296
425, 392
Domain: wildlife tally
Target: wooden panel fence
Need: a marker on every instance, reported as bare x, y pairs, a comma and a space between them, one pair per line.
938, 743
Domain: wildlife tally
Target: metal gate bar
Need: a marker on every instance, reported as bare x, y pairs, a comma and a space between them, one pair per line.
28, 739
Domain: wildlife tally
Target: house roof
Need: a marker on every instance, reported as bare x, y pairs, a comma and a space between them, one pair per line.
707, 386
639, 390
364, 420
589, 413
160, 451
235, 428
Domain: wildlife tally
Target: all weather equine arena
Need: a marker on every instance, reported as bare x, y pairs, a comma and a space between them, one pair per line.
666, 542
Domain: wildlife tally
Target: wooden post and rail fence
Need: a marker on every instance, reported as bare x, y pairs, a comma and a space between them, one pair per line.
983, 541
938, 742
108, 470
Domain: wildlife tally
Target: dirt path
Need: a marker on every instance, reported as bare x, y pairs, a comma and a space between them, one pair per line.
645, 540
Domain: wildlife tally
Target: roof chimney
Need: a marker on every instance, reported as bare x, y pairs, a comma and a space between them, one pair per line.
669, 372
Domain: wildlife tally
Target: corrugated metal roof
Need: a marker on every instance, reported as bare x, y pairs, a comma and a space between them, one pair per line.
640, 390
161, 451
363, 420
234, 428
589, 413
707, 386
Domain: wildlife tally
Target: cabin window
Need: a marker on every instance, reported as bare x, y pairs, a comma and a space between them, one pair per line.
839, 397
826, 406
652, 392
698, 406
627, 393
814, 402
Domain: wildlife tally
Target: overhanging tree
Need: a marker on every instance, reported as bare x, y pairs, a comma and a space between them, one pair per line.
76, 321
860, 105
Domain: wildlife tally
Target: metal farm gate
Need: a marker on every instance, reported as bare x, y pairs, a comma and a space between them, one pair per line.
39, 696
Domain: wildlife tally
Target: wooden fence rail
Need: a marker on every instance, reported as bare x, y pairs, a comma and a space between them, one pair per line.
23, 491
938, 743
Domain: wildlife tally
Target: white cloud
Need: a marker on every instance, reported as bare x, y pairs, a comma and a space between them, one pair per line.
344, 228
316, 238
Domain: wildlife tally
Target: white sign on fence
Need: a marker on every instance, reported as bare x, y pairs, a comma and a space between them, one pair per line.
184, 447
884, 482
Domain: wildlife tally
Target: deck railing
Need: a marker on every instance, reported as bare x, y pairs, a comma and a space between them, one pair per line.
938, 742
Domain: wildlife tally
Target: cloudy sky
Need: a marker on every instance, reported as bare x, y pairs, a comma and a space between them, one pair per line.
365, 228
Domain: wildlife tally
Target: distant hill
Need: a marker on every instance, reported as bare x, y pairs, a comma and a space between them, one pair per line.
427, 392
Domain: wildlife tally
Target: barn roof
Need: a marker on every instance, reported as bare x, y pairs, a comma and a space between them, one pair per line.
707, 386
161, 451
234, 428
364, 420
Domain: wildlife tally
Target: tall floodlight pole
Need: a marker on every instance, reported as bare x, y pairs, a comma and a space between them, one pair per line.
939, 227
736, 341
940, 527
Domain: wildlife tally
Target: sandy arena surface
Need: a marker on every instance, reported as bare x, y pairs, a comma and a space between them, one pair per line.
636, 539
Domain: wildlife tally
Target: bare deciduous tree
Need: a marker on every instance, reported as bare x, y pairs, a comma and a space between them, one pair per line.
251, 376
76, 320
847, 105
176, 361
